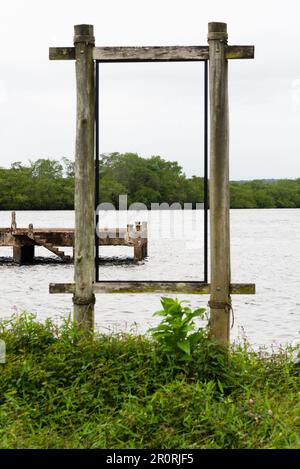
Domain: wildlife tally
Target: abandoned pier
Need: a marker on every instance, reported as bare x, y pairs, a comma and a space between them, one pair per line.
24, 240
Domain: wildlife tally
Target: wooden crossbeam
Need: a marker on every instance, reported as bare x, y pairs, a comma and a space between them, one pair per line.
154, 287
239, 52
62, 53
152, 54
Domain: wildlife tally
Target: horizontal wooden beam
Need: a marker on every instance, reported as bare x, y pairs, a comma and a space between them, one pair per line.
62, 53
154, 287
152, 54
239, 52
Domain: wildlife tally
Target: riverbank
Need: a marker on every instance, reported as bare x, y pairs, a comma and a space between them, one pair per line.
48, 184
61, 390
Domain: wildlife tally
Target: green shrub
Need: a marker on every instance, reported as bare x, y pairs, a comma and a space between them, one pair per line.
177, 332
61, 389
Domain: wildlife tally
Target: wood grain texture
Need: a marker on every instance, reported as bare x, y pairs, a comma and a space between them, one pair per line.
62, 53
151, 54
219, 184
84, 252
239, 52
154, 287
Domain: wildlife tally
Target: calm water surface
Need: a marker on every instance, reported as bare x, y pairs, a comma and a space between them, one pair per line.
265, 250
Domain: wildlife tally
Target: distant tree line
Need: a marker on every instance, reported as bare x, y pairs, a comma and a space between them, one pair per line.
48, 184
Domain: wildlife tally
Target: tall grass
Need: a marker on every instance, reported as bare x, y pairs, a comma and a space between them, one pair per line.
60, 389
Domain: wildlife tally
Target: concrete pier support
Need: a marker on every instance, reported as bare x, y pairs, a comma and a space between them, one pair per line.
140, 237
138, 250
23, 254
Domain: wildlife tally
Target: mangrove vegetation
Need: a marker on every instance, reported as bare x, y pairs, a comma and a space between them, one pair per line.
47, 184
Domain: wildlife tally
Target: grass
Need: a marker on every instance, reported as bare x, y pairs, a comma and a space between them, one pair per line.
59, 389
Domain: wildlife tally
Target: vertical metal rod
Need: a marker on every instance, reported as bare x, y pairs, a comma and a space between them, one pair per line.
206, 171
97, 168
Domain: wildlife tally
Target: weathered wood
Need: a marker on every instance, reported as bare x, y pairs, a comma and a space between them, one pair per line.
62, 288
239, 52
220, 288
219, 184
62, 53
168, 287
151, 54
154, 287
84, 265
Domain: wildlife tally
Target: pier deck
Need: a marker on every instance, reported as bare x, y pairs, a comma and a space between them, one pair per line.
24, 240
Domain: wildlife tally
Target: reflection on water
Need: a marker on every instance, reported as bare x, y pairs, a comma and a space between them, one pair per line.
265, 250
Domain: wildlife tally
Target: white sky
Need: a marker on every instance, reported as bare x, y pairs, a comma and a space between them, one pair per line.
153, 108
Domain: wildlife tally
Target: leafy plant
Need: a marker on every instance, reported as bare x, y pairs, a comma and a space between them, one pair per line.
177, 333
59, 389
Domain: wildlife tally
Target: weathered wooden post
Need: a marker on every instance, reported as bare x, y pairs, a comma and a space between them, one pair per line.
84, 266
219, 197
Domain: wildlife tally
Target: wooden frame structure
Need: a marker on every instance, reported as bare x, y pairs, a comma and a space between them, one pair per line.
217, 53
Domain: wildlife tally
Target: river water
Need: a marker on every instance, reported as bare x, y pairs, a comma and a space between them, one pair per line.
265, 250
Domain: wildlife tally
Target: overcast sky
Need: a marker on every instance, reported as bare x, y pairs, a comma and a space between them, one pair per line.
153, 109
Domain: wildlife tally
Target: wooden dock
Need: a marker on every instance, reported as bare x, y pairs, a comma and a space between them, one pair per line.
24, 240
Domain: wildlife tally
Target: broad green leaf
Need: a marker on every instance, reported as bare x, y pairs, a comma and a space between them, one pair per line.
185, 346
